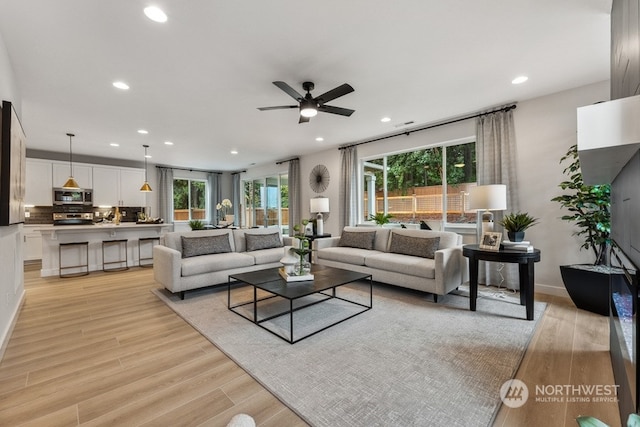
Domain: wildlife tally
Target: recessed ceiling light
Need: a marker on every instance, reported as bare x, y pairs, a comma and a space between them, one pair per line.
385, 119
168, 143
519, 79
234, 151
319, 139
142, 131
114, 144
121, 85
155, 14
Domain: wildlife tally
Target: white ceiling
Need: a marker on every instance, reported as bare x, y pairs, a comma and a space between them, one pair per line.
198, 79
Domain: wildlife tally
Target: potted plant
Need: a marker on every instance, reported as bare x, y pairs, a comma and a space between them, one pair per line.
588, 206
380, 218
196, 224
516, 224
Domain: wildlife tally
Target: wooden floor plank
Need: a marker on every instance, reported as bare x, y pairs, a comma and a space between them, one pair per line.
103, 350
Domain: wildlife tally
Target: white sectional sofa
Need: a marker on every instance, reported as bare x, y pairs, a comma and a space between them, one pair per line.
425, 260
195, 259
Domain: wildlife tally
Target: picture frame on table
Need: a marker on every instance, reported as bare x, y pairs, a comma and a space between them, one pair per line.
13, 143
491, 241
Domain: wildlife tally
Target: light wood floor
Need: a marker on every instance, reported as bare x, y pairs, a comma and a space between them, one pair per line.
103, 350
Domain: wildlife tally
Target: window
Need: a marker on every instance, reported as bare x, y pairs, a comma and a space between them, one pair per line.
190, 200
422, 185
266, 202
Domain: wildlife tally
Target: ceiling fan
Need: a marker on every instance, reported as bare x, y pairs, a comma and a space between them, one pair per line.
308, 105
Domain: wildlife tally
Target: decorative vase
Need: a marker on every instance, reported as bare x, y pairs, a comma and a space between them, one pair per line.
589, 286
303, 267
289, 260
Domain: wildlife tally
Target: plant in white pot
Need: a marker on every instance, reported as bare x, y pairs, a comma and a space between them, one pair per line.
589, 209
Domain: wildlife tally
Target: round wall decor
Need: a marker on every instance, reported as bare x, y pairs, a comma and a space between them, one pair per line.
319, 178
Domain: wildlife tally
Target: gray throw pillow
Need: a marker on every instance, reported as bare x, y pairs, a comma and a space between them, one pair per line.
205, 245
256, 242
424, 247
357, 239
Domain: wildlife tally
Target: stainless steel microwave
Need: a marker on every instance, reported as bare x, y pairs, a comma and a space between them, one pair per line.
66, 196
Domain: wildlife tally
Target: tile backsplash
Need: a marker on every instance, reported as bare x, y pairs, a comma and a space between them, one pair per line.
44, 214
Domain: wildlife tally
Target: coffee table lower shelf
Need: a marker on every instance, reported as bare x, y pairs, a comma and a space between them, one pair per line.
323, 285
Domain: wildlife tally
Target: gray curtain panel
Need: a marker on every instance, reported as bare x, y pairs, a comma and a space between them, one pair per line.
348, 203
495, 164
236, 197
295, 202
215, 195
165, 194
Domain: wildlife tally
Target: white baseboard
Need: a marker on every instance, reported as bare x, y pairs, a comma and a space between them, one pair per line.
551, 290
4, 342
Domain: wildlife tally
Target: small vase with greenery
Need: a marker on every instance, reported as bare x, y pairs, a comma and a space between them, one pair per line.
303, 249
516, 223
380, 218
196, 224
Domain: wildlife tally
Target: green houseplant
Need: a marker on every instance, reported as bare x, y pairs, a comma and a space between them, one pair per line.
589, 209
380, 218
516, 224
196, 224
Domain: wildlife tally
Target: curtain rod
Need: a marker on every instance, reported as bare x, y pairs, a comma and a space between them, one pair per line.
431, 126
186, 169
237, 172
288, 160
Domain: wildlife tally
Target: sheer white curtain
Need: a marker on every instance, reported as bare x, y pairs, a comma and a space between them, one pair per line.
495, 164
165, 194
348, 187
295, 202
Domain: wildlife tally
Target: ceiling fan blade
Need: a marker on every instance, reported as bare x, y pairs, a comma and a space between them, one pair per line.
334, 93
289, 90
304, 119
281, 107
336, 110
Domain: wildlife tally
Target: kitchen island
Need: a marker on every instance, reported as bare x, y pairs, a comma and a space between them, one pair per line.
53, 235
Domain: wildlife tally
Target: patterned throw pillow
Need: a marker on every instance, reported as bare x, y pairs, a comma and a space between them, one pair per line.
424, 247
357, 239
256, 242
194, 246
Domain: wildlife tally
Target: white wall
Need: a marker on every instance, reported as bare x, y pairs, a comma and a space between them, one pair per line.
545, 129
11, 264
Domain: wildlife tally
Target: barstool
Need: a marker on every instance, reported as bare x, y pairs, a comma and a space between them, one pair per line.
85, 265
120, 260
141, 241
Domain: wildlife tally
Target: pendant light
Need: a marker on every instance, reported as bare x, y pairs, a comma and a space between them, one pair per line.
145, 187
71, 183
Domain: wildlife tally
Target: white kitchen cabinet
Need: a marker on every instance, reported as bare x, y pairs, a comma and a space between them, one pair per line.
32, 247
38, 183
117, 186
81, 173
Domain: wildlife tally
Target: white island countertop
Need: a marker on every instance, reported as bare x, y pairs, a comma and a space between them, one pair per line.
94, 234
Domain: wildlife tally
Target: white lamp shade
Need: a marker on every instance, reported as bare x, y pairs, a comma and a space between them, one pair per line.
488, 197
319, 204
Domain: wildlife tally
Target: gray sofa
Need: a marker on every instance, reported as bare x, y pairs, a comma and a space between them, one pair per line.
425, 260
195, 259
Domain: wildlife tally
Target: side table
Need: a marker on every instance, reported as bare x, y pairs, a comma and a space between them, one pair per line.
313, 237
525, 261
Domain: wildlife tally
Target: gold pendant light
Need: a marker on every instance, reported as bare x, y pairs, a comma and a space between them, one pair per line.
145, 187
71, 183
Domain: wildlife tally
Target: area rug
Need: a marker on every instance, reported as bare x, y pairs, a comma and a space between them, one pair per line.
407, 361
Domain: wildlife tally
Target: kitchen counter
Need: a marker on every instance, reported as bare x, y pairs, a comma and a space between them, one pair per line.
53, 235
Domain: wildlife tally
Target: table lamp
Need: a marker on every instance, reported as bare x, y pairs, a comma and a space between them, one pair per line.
319, 205
487, 198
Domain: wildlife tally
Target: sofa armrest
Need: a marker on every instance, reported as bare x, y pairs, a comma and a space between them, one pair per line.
449, 269
167, 267
326, 242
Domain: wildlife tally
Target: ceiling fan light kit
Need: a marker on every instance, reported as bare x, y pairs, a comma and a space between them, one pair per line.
310, 106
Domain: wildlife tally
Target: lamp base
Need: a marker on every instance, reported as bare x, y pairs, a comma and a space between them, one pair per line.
319, 224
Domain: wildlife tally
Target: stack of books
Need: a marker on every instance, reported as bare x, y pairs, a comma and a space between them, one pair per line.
523, 246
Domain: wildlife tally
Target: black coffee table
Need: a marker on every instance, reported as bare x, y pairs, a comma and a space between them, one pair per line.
270, 281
